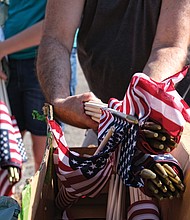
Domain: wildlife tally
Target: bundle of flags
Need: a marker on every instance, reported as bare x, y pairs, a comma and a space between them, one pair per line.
158, 101
12, 151
86, 176
145, 99
141, 161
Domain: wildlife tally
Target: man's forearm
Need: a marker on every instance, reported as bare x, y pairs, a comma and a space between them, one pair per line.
169, 51
164, 62
53, 69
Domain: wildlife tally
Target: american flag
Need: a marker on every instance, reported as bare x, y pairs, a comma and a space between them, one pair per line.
159, 101
6, 189
81, 176
125, 135
19, 140
9, 152
144, 98
142, 160
145, 209
87, 176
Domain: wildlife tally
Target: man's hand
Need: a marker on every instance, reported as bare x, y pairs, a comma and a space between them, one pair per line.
71, 110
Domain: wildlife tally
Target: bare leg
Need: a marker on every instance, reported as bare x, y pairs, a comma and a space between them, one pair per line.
39, 143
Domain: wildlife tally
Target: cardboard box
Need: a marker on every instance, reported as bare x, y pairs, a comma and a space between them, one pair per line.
179, 209
45, 187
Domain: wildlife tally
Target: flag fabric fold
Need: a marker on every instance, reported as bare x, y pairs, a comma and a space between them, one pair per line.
141, 161
81, 176
10, 155
5, 186
158, 101
12, 151
87, 176
145, 209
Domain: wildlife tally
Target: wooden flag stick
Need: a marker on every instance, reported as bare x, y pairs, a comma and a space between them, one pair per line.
119, 201
105, 140
95, 119
110, 191
94, 114
2, 98
92, 109
95, 103
114, 198
115, 192
123, 203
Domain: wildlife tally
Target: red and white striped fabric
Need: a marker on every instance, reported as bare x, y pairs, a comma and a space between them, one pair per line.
81, 176
9, 152
6, 189
145, 209
159, 101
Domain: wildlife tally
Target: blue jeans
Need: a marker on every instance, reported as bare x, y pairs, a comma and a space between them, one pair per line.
73, 82
73, 60
25, 95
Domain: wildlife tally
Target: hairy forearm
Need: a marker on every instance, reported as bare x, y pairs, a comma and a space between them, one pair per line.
53, 69
164, 62
25, 39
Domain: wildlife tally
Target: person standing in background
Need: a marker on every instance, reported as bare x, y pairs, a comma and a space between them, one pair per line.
73, 59
23, 88
21, 39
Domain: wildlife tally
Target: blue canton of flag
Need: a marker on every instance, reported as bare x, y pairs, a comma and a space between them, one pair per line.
19, 140
22, 149
142, 160
4, 146
128, 149
89, 167
125, 134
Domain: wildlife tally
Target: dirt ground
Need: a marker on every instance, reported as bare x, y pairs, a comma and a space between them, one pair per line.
74, 137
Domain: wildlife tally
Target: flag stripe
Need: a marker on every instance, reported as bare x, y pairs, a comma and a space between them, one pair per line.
9, 149
5, 186
144, 209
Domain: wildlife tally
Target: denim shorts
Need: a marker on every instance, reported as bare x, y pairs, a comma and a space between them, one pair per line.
25, 96
73, 60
